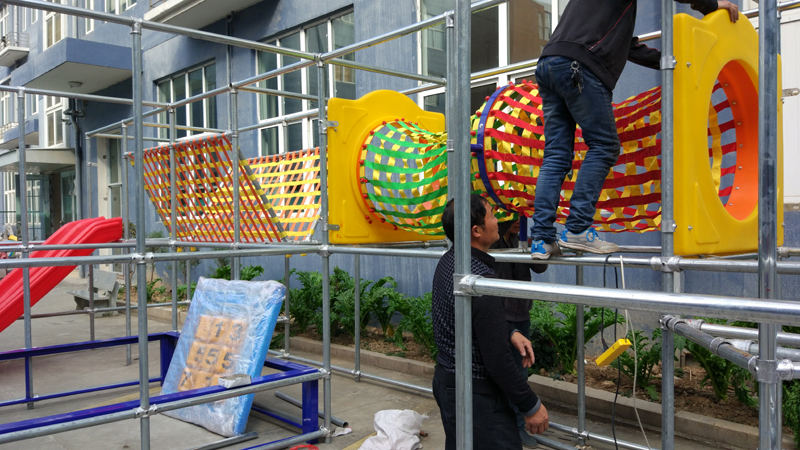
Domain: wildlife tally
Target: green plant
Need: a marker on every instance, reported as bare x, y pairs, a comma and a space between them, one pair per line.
306, 300
558, 322
791, 408
247, 273
416, 312
545, 351
152, 290
182, 290
644, 360
221, 273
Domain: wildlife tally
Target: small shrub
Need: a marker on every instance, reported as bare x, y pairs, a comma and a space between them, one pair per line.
416, 312
153, 291
182, 290
645, 359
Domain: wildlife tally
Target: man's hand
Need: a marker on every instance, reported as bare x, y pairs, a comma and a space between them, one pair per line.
523, 345
732, 9
538, 422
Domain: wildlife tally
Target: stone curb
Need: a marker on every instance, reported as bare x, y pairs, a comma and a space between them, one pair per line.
160, 313
565, 394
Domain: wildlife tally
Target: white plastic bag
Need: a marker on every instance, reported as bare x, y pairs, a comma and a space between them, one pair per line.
397, 430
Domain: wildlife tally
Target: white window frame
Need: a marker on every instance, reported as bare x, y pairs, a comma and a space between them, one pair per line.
163, 117
9, 199
34, 15
8, 110
48, 16
5, 22
32, 104
120, 5
307, 123
88, 24
54, 108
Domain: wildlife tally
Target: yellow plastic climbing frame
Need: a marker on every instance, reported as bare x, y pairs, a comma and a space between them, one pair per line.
706, 51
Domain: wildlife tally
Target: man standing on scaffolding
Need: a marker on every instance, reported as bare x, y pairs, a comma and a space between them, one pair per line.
495, 377
577, 72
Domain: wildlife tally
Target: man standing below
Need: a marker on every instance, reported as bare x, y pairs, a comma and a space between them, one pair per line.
495, 378
577, 72
517, 310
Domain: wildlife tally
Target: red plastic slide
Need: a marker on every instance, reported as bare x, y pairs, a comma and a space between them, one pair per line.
44, 279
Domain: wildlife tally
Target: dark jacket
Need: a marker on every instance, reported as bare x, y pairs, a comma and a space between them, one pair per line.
493, 367
516, 309
599, 34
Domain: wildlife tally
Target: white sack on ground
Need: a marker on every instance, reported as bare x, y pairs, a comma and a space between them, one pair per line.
397, 430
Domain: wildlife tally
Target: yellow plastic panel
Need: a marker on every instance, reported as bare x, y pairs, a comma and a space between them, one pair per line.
357, 225
707, 51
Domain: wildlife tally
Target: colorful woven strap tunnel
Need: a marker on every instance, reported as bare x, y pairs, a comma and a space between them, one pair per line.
404, 173
278, 195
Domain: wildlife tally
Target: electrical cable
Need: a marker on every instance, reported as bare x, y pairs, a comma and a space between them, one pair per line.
635, 356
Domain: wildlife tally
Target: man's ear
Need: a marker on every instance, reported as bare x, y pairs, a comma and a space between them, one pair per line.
475, 231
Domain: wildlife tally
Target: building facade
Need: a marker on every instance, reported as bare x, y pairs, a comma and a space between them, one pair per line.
62, 53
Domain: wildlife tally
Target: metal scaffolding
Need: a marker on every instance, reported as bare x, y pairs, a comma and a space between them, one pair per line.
768, 367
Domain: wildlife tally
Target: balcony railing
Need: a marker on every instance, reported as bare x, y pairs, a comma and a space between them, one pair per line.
6, 127
14, 39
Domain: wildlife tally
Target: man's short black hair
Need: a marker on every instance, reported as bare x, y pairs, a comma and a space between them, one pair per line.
477, 214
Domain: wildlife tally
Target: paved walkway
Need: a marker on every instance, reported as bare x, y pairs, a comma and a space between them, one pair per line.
354, 402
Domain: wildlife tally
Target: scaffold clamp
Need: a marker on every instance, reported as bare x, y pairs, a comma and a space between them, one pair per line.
151, 411
771, 371
664, 264
465, 284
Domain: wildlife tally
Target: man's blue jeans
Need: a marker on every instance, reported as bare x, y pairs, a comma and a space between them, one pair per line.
564, 105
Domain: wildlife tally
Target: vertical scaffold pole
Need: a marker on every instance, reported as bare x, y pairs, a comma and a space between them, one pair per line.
126, 234
141, 232
667, 221
287, 268
235, 176
322, 118
770, 386
357, 331
22, 201
173, 216
458, 91
580, 356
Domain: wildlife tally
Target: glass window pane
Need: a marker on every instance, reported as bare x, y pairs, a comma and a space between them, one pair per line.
315, 133
292, 82
485, 40
434, 44
59, 128
211, 103
528, 39
294, 137
111, 6
344, 77
163, 97
269, 141
478, 95
435, 103
317, 42
267, 104
51, 130
113, 161
178, 94
196, 108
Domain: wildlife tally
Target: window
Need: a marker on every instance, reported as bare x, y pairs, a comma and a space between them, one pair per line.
8, 110
119, 6
320, 37
34, 15
54, 107
9, 198
200, 114
5, 23
528, 29
88, 24
32, 104
55, 26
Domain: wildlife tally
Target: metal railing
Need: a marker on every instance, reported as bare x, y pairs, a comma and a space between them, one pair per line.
14, 39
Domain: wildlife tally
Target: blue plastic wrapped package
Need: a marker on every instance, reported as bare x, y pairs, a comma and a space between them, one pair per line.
227, 331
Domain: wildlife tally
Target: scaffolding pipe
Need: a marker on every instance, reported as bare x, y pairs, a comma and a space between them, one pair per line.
233, 104
22, 201
734, 308
275, 92
717, 346
598, 437
580, 356
288, 442
357, 331
293, 401
286, 302
141, 232
126, 234
770, 388
667, 220
76, 96
173, 215
322, 122
395, 73
790, 339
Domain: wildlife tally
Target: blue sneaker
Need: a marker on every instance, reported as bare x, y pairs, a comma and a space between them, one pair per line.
588, 241
542, 250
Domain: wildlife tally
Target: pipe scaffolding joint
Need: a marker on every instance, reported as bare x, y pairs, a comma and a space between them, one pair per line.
697, 324
326, 374
357, 375
324, 252
234, 246
21, 92
136, 26
148, 257
771, 371
326, 432
716, 343
151, 411
450, 19
465, 284
663, 264
172, 244
137, 258
669, 323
